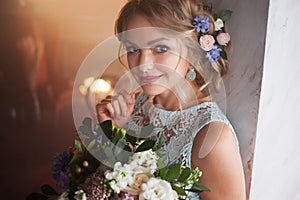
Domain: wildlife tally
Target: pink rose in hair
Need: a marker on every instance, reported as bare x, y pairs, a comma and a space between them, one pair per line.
207, 42
223, 39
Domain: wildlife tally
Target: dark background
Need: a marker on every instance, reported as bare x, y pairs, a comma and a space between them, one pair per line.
42, 46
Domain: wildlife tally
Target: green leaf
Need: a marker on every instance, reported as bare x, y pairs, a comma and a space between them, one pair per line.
117, 137
224, 15
147, 130
86, 128
160, 163
120, 146
106, 128
130, 137
215, 16
185, 174
91, 144
78, 146
197, 187
148, 144
127, 148
173, 172
162, 173
48, 190
160, 142
179, 190
109, 154
36, 196
223, 54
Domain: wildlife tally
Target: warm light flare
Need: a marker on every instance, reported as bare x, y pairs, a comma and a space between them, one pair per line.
99, 86
88, 82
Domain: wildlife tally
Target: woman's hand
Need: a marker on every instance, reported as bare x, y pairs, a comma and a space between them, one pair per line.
116, 108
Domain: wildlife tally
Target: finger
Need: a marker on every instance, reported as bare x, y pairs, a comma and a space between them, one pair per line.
126, 96
110, 110
116, 108
123, 105
105, 101
103, 113
130, 106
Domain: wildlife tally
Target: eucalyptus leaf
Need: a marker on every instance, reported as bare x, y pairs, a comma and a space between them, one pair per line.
147, 130
148, 144
109, 154
78, 146
48, 190
179, 190
225, 15
185, 174
173, 172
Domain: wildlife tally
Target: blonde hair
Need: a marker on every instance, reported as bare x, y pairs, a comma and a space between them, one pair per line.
178, 15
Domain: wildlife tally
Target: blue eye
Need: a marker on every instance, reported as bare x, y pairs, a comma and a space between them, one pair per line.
132, 50
161, 49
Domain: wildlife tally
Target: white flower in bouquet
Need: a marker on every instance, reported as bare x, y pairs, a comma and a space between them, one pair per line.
80, 195
145, 162
64, 196
136, 187
120, 177
157, 189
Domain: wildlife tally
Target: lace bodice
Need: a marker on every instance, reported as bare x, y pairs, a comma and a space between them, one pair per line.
178, 127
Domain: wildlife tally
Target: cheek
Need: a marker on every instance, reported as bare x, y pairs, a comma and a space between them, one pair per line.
132, 61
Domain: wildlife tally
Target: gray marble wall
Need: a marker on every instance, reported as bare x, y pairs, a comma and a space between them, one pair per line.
276, 173
247, 28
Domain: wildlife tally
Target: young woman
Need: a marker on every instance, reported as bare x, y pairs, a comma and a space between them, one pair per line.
174, 52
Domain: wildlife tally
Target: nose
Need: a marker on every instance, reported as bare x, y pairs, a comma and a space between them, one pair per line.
146, 59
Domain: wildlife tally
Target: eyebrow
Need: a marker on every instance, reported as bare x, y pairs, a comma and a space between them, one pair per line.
150, 42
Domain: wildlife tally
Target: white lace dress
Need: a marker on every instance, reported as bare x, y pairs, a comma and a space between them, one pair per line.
178, 127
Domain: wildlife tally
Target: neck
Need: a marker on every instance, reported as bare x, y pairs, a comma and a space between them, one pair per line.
169, 101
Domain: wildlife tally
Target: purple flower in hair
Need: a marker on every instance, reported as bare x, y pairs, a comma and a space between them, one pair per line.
214, 54
201, 25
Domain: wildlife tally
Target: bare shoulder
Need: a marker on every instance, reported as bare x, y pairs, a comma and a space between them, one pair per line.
215, 135
215, 152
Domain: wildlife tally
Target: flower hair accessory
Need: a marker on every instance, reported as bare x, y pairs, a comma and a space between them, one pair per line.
213, 43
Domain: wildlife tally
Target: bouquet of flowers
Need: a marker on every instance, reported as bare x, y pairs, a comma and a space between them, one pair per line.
111, 163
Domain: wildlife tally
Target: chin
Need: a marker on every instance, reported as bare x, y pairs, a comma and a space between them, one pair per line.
153, 90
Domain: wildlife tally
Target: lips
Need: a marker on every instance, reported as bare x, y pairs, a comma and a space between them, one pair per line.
150, 79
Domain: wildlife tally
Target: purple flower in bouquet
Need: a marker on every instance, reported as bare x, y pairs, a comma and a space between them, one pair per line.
94, 189
126, 196
60, 170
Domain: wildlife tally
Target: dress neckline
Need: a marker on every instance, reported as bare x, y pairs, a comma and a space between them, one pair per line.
201, 105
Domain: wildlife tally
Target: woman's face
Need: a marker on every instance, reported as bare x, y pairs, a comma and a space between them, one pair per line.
153, 56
